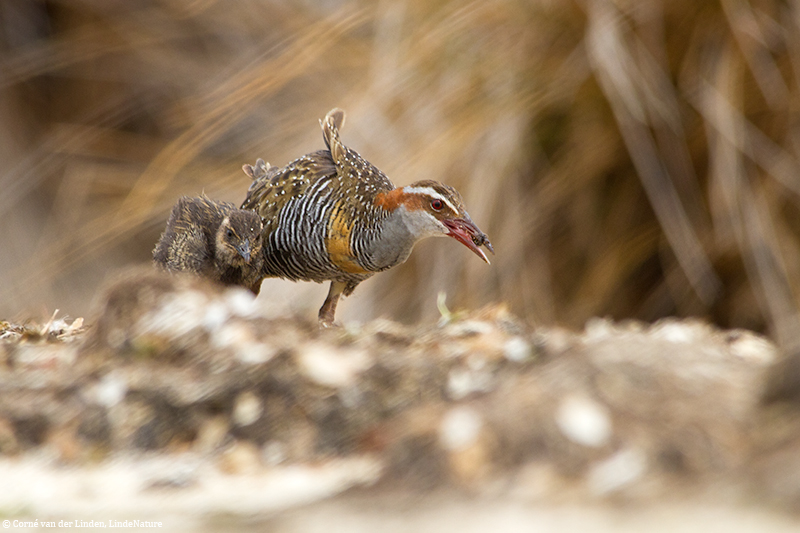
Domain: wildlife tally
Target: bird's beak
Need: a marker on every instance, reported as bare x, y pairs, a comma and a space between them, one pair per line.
244, 250
467, 233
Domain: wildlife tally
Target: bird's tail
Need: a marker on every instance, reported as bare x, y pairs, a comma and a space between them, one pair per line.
257, 171
331, 124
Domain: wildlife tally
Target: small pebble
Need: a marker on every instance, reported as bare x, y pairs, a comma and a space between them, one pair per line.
584, 421
617, 472
109, 391
242, 457
460, 428
752, 347
248, 409
331, 366
517, 350
241, 302
675, 332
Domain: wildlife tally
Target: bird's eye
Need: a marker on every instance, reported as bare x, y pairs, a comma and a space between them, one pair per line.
229, 233
437, 205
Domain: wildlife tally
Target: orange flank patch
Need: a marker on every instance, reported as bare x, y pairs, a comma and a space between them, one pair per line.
338, 244
389, 200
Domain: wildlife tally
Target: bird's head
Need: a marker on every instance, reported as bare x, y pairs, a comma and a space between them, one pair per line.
239, 237
433, 209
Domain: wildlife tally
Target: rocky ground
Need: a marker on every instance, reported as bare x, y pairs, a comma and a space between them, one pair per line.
189, 405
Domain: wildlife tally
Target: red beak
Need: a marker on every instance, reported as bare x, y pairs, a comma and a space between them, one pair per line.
467, 233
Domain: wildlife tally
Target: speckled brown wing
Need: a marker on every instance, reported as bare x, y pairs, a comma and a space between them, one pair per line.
274, 187
355, 178
311, 208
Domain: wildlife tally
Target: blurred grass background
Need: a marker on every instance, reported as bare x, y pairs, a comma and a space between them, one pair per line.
628, 159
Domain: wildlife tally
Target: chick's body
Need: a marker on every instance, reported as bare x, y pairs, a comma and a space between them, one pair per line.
214, 240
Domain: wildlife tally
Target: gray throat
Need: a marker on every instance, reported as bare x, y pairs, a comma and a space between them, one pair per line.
390, 245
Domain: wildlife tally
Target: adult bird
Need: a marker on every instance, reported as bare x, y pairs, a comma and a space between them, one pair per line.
333, 216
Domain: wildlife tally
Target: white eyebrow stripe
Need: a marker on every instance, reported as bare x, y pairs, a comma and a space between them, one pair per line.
430, 192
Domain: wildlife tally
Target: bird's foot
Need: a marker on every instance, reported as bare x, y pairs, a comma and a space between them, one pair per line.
325, 323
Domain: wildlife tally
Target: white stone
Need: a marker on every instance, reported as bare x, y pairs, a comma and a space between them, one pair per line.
460, 428
617, 471
216, 314
231, 335
332, 367
675, 332
248, 409
753, 348
584, 421
461, 382
241, 302
110, 390
254, 353
598, 329
517, 350
176, 315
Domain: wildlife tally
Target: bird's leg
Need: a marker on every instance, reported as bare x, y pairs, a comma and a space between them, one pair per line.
328, 309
